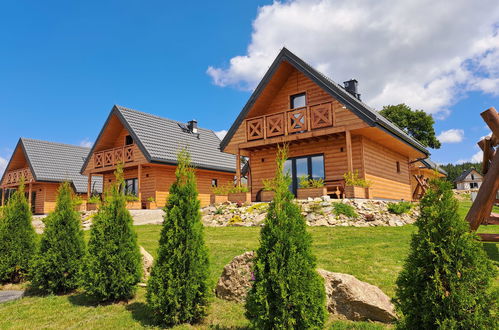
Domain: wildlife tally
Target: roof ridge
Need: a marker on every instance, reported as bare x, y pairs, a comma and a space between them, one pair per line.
120, 107
55, 143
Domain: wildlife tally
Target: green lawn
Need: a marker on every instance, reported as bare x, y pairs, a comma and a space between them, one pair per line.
374, 255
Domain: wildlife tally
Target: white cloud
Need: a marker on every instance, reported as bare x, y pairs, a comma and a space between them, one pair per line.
451, 136
476, 158
86, 143
421, 52
221, 134
3, 165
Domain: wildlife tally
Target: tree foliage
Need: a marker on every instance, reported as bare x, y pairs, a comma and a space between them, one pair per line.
17, 238
287, 292
113, 263
416, 123
178, 289
447, 275
57, 268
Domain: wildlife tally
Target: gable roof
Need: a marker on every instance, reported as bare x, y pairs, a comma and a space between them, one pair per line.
369, 115
432, 165
160, 140
57, 162
465, 174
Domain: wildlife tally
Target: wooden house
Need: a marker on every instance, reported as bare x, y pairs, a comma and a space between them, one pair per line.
422, 171
147, 146
329, 130
44, 165
469, 179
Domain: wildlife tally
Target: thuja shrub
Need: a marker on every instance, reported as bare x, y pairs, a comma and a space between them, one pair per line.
287, 292
57, 267
17, 238
447, 276
178, 290
113, 263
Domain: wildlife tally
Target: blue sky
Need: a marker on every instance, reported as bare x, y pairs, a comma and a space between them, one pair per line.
64, 64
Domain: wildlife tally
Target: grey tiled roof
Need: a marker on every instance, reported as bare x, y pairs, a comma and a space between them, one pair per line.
465, 174
161, 139
57, 162
433, 166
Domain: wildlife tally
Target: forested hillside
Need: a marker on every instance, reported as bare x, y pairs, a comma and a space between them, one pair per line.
454, 170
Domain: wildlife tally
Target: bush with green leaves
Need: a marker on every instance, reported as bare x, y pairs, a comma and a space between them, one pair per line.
399, 208
17, 238
447, 276
345, 209
178, 289
353, 179
287, 292
113, 263
238, 189
305, 182
57, 267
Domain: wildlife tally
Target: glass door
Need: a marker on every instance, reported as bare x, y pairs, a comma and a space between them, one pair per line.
308, 166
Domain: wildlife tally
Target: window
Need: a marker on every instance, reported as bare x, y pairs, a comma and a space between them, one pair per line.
309, 166
398, 167
214, 182
298, 100
472, 177
131, 186
128, 140
473, 185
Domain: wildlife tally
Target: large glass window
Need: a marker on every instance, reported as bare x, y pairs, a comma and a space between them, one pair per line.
298, 100
131, 187
308, 166
317, 167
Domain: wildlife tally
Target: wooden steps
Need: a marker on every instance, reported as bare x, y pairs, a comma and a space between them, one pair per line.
489, 237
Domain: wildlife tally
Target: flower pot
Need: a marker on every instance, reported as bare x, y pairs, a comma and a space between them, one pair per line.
151, 205
304, 193
80, 207
92, 206
267, 195
241, 197
218, 199
356, 192
133, 205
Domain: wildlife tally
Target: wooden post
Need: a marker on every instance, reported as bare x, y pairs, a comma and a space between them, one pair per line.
89, 187
3, 196
29, 193
238, 167
491, 117
348, 138
139, 181
487, 154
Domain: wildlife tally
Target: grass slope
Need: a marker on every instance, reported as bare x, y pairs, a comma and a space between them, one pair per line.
374, 255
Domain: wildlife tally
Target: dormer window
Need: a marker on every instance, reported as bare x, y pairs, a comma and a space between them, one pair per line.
298, 100
128, 140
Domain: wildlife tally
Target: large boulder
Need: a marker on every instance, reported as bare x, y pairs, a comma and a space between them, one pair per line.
347, 297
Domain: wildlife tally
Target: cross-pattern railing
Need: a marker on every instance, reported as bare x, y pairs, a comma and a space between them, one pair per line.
290, 122
15, 176
112, 157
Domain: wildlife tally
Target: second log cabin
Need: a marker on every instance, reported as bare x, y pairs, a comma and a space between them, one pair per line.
329, 130
147, 146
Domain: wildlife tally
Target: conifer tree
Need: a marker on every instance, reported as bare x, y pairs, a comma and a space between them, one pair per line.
177, 290
17, 238
113, 263
287, 292
57, 268
447, 275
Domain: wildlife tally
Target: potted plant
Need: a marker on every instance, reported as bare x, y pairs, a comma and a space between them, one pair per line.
310, 188
151, 203
132, 202
93, 203
219, 195
239, 194
268, 191
78, 203
356, 187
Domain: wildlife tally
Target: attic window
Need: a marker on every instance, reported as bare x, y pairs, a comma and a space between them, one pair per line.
298, 100
472, 177
128, 140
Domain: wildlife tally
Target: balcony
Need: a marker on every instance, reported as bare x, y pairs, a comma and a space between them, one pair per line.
290, 122
15, 176
112, 157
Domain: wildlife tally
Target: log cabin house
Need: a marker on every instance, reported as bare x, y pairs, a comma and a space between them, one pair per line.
44, 165
469, 179
422, 171
147, 146
329, 130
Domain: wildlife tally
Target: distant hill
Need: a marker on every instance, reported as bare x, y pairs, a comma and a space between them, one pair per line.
454, 170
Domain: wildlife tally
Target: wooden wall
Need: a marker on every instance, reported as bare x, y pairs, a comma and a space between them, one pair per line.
381, 169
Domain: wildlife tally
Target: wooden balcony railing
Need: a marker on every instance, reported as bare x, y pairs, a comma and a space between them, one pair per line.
112, 157
290, 122
15, 176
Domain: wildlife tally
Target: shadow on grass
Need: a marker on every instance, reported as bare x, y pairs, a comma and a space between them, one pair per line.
219, 327
141, 313
85, 300
492, 252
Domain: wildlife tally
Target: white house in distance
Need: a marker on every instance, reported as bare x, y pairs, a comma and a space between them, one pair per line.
469, 179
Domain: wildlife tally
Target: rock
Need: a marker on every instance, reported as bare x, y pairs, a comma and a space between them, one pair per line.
347, 297
9, 295
236, 278
147, 262
356, 300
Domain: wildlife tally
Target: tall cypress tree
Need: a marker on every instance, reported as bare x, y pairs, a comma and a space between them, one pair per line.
287, 292
17, 238
447, 275
113, 263
177, 290
57, 268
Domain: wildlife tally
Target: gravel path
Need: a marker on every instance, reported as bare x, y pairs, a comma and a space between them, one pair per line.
9, 295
